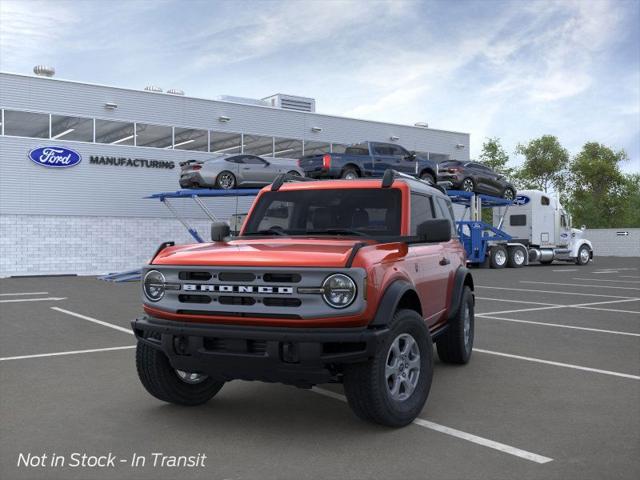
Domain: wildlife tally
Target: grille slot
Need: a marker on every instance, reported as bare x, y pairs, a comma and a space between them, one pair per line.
282, 277
236, 276
195, 276
257, 347
194, 298
225, 300
214, 344
282, 302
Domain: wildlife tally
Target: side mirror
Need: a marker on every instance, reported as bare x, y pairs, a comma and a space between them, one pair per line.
583, 227
219, 231
411, 156
435, 230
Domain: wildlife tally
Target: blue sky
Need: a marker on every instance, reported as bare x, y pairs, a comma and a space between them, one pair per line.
511, 69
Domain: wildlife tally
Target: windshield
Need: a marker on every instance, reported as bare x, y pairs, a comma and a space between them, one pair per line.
351, 212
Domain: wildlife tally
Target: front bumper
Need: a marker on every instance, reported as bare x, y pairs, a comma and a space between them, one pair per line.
296, 356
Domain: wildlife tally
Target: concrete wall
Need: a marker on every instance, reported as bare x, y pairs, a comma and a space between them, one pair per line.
608, 242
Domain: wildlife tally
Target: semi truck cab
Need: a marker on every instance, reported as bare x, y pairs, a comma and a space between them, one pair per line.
539, 222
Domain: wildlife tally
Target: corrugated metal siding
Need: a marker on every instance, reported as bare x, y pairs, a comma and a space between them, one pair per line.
72, 98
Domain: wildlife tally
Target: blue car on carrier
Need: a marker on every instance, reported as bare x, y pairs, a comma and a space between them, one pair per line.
368, 159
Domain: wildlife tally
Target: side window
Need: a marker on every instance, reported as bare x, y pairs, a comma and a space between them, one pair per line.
447, 212
563, 221
382, 150
235, 159
398, 151
544, 201
518, 220
251, 160
421, 210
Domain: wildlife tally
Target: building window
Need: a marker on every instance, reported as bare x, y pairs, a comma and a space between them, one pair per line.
225, 143
156, 136
257, 145
287, 148
71, 128
191, 139
115, 133
316, 148
26, 124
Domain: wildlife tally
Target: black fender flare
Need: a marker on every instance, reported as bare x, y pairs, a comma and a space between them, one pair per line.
389, 302
462, 277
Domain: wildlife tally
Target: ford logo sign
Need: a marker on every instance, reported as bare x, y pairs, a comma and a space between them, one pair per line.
521, 200
55, 157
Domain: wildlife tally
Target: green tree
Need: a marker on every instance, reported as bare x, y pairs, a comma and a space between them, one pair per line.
494, 156
545, 164
599, 194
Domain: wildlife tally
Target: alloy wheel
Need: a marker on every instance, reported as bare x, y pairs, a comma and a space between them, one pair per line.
192, 378
402, 368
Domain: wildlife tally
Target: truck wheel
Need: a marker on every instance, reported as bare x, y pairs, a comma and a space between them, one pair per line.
517, 257
392, 387
349, 173
169, 385
427, 177
498, 257
456, 344
584, 255
225, 180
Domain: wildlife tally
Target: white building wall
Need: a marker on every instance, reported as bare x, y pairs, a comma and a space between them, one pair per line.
613, 242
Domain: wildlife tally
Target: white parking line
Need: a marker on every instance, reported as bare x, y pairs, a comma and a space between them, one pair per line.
533, 457
588, 306
559, 364
567, 270
603, 280
516, 301
581, 285
22, 293
527, 290
47, 299
94, 320
629, 276
573, 327
72, 352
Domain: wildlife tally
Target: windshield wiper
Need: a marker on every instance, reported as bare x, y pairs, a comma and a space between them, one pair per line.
338, 231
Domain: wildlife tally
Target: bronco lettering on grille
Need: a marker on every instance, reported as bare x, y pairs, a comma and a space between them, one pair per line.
190, 287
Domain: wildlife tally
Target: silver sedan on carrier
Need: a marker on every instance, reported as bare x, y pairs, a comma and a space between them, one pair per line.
235, 171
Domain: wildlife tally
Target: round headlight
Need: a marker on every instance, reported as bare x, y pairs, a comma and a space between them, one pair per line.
153, 285
339, 290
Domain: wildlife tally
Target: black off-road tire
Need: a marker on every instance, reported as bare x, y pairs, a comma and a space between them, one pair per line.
349, 172
160, 379
498, 256
365, 383
453, 346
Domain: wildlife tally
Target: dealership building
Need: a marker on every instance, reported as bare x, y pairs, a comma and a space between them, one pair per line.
92, 217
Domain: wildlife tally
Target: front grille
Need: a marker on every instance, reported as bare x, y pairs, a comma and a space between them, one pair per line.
217, 313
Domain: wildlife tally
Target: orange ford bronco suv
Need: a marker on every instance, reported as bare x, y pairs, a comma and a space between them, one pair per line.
342, 281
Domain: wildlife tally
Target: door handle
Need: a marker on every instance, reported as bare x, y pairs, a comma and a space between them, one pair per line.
444, 261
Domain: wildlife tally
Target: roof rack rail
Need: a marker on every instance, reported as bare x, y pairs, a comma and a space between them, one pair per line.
286, 177
390, 175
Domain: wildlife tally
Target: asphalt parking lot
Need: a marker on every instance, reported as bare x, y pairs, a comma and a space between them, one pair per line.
552, 392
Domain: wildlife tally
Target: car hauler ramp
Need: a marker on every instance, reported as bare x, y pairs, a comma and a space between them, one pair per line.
196, 195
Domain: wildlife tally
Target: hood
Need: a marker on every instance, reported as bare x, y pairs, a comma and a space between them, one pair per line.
271, 252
